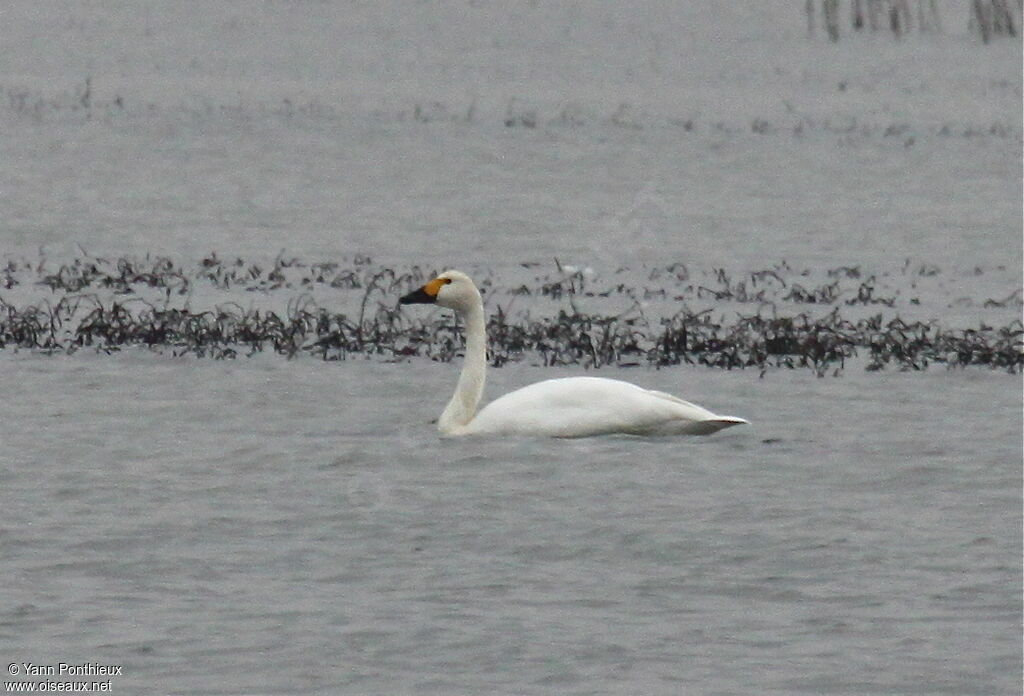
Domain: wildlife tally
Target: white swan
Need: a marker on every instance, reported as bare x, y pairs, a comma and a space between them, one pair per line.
567, 407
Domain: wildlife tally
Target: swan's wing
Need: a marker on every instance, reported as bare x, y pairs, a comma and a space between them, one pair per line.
698, 411
583, 406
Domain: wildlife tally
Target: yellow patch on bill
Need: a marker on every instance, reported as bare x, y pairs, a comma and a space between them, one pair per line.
434, 286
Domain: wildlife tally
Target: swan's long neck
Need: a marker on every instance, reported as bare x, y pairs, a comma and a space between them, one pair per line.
470, 389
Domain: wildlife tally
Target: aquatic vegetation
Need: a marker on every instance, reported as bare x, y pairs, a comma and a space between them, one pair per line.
41, 105
987, 18
776, 317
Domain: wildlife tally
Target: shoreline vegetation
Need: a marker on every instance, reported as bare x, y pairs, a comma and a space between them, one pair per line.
776, 317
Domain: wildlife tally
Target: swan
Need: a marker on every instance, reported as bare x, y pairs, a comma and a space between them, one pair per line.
564, 407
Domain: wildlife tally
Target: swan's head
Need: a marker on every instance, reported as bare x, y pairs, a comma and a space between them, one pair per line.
451, 289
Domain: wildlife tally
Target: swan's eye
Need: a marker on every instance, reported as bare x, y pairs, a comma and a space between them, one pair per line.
446, 280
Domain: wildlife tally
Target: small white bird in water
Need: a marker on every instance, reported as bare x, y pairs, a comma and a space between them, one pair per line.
567, 407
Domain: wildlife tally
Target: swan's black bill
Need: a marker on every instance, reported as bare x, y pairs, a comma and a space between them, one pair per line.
418, 297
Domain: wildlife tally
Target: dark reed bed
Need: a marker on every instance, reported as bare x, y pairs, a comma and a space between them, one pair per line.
986, 18
775, 317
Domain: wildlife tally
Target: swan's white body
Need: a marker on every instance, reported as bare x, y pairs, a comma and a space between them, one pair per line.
567, 407
583, 406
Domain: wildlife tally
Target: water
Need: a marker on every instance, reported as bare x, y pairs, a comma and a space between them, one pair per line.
286, 527
269, 526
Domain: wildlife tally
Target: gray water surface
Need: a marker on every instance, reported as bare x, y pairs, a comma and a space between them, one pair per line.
290, 527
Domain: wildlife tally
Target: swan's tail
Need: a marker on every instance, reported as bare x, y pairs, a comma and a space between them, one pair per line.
713, 425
